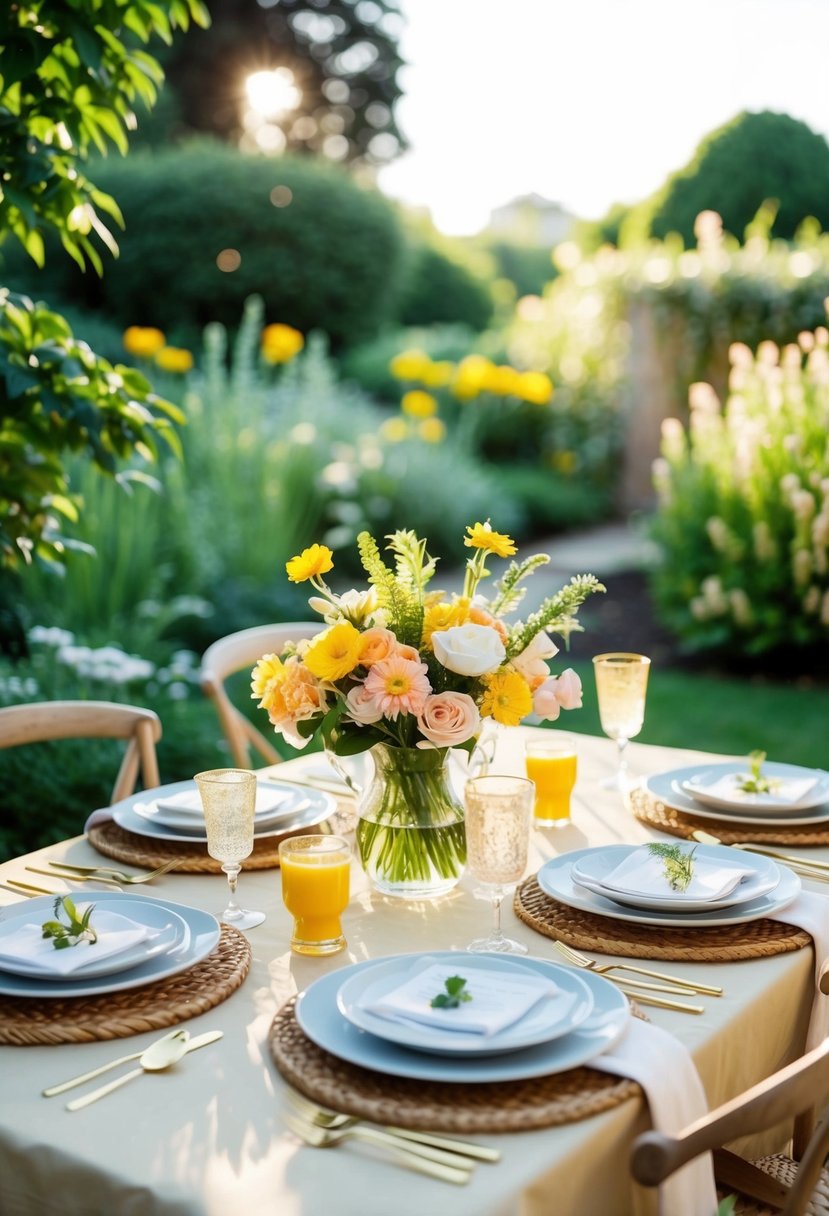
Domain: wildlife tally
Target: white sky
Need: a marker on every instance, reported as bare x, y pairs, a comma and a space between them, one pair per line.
588, 102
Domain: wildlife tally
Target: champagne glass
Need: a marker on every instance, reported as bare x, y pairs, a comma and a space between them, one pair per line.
621, 684
228, 797
498, 814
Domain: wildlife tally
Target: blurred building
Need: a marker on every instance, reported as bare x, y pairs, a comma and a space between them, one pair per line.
532, 220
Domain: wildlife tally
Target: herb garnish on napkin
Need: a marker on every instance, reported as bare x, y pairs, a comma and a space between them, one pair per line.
454, 995
754, 782
678, 866
76, 931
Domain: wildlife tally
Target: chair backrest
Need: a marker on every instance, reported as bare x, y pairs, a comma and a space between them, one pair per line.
799, 1087
233, 653
40, 721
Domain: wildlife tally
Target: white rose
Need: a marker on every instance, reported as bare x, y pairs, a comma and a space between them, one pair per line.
469, 650
449, 719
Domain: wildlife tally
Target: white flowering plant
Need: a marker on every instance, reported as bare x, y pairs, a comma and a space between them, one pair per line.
743, 514
401, 664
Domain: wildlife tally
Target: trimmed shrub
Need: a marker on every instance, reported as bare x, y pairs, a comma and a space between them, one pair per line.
322, 252
438, 288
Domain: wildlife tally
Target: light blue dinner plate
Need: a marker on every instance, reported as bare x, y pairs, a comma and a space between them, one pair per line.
323, 1023
546, 1020
555, 880
201, 936
669, 787
312, 807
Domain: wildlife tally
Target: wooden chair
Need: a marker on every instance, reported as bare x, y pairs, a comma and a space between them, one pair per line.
40, 721
233, 653
778, 1182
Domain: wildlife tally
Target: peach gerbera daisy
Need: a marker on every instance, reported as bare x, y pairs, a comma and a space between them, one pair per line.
398, 686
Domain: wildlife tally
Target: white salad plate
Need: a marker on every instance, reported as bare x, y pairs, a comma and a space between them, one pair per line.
200, 937
322, 1021
182, 812
668, 788
556, 880
548, 1019
311, 808
595, 864
168, 930
698, 787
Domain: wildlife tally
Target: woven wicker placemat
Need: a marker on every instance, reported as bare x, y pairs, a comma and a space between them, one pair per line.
503, 1106
652, 811
114, 841
116, 1015
587, 931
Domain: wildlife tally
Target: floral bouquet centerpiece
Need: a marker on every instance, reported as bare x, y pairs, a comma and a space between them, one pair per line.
410, 673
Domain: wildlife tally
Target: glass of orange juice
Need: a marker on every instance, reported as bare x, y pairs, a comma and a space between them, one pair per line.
315, 890
551, 764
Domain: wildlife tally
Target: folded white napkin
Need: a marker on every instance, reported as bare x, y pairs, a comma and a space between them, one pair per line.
189, 802
643, 874
26, 943
664, 1068
785, 789
810, 912
499, 998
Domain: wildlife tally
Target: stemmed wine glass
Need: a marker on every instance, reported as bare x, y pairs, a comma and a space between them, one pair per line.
498, 815
228, 797
621, 684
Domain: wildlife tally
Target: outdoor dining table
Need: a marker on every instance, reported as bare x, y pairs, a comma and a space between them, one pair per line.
207, 1138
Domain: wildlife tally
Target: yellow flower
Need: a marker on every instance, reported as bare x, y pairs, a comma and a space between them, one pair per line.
564, 461
503, 381
310, 563
143, 342
267, 675
174, 359
471, 376
410, 365
535, 387
443, 615
481, 536
335, 653
437, 375
280, 343
394, 430
432, 430
418, 404
507, 698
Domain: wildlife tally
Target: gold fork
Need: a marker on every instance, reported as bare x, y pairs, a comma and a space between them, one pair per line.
457, 1150
321, 1137
102, 873
581, 960
818, 871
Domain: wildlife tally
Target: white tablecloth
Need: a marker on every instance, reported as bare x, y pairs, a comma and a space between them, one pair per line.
207, 1139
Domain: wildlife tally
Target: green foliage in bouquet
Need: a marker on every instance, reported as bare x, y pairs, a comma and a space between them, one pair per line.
743, 516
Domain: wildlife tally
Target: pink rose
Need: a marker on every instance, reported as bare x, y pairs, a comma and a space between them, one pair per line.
361, 706
449, 719
376, 645
557, 693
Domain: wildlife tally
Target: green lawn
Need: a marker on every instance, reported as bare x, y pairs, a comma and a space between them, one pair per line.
730, 716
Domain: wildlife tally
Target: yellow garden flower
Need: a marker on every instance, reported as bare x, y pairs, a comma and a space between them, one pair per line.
418, 404
395, 430
432, 430
310, 563
507, 698
535, 387
481, 536
470, 376
503, 381
280, 343
143, 341
174, 359
267, 675
437, 375
335, 653
410, 365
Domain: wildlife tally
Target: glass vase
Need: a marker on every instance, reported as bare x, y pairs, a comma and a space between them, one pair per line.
410, 827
